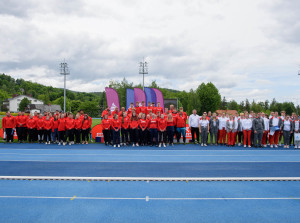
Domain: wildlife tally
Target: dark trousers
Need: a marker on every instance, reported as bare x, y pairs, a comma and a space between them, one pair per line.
106, 134
240, 136
70, 135
18, 133
124, 133
193, 131
77, 135
85, 135
111, 135
32, 135
116, 138
170, 133
143, 136
212, 135
47, 135
9, 135
40, 135
162, 136
134, 135
23, 133
292, 139
61, 136
153, 134
258, 138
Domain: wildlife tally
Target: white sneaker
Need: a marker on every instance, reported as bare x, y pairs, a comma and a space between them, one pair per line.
280, 144
64, 143
265, 146
249, 146
276, 146
164, 145
201, 144
205, 145
245, 146
137, 145
70, 143
287, 147
114, 145
159, 145
133, 145
239, 144
119, 145
46, 143
49, 143
271, 146
59, 143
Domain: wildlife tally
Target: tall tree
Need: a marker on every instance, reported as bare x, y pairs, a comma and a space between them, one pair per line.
23, 104
209, 97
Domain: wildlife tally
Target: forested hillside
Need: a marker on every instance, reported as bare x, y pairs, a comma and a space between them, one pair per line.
205, 98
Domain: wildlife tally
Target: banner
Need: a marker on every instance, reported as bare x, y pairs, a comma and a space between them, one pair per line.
159, 98
150, 95
112, 98
129, 97
139, 95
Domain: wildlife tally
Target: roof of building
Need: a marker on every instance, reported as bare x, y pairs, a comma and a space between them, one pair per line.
232, 112
29, 97
47, 108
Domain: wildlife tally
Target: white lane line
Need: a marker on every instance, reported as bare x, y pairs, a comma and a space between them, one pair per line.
147, 198
142, 155
150, 161
147, 179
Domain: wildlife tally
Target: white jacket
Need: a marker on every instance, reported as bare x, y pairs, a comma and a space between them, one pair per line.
246, 123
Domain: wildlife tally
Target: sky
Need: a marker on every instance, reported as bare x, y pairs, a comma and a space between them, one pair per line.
248, 49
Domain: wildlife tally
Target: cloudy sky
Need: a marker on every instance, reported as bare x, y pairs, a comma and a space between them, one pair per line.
248, 48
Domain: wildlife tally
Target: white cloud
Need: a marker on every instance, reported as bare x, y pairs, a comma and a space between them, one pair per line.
246, 48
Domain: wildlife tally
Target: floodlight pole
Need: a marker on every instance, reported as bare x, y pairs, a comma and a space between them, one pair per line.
64, 70
143, 70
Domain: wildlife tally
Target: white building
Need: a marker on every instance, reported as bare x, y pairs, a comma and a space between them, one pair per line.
13, 103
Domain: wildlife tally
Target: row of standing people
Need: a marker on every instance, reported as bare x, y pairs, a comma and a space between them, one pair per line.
55, 127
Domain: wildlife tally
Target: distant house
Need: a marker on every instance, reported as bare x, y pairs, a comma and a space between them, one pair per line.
42, 108
12, 104
231, 112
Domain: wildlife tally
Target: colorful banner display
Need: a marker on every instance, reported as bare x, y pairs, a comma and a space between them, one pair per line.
139, 95
159, 97
129, 97
150, 95
112, 98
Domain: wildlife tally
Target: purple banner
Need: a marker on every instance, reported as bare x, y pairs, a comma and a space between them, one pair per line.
159, 98
112, 98
129, 97
150, 95
139, 95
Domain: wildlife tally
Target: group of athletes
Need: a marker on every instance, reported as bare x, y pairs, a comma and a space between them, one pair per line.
152, 125
58, 127
142, 125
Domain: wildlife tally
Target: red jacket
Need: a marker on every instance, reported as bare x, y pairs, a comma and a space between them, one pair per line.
116, 124
8, 122
85, 124
153, 124
31, 123
134, 124
48, 124
17, 120
61, 124
148, 109
159, 109
181, 121
125, 123
78, 123
91, 120
143, 109
70, 124
22, 120
137, 110
106, 123
40, 124
143, 123
170, 123
162, 124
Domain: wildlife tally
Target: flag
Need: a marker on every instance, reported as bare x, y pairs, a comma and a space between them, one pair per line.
139, 95
112, 98
150, 95
159, 98
129, 97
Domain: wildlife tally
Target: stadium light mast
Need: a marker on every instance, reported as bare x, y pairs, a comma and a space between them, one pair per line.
64, 70
143, 70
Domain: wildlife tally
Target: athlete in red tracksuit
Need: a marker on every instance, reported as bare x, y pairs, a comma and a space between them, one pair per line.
48, 124
77, 130
40, 128
85, 129
61, 130
162, 130
8, 124
106, 125
70, 125
31, 127
116, 126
